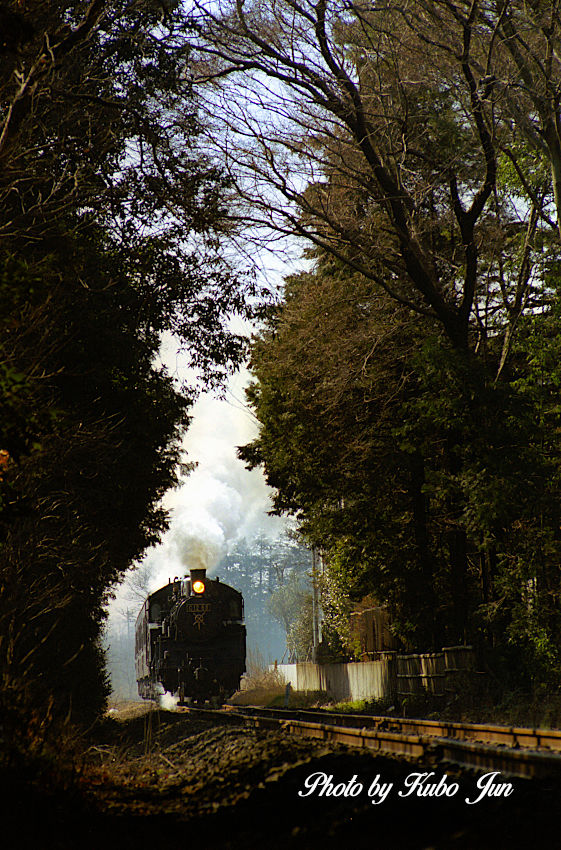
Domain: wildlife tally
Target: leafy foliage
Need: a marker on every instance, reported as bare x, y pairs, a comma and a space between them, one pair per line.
110, 220
424, 480
405, 388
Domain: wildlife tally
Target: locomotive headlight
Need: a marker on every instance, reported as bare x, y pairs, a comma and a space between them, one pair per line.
198, 586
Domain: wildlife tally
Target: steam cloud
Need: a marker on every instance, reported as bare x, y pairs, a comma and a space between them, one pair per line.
220, 501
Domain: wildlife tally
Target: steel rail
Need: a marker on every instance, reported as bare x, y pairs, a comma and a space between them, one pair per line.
431, 748
510, 736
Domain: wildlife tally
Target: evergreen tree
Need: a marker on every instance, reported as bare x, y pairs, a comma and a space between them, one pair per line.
110, 220
425, 481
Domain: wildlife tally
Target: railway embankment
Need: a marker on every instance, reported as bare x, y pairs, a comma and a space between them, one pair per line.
182, 780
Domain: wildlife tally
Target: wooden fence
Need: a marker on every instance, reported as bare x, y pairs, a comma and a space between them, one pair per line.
371, 633
442, 673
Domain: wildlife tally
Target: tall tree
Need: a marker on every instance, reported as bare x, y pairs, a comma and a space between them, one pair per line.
424, 481
370, 131
384, 135
259, 568
110, 222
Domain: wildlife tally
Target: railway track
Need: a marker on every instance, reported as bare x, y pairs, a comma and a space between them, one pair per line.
514, 751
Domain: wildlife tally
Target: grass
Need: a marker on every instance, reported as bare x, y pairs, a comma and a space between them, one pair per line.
261, 686
301, 699
514, 709
362, 706
267, 688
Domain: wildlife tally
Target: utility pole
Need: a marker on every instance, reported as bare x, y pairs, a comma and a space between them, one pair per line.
316, 627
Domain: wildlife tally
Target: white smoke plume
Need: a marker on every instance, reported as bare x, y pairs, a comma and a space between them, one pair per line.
168, 702
218, 503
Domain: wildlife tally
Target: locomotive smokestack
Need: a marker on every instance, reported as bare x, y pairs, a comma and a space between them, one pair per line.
198, 574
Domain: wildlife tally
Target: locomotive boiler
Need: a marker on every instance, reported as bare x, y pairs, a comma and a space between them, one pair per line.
190, 639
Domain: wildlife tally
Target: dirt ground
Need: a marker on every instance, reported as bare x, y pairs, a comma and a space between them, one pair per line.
166, 780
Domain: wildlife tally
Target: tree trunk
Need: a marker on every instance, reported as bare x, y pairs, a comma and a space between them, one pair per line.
425, 584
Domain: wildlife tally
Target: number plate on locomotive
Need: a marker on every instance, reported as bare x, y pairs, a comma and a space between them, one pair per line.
199, 607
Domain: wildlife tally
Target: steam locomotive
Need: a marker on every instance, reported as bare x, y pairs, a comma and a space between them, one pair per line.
190, 639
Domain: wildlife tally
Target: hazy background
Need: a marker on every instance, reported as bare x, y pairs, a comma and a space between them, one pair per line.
218, 512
